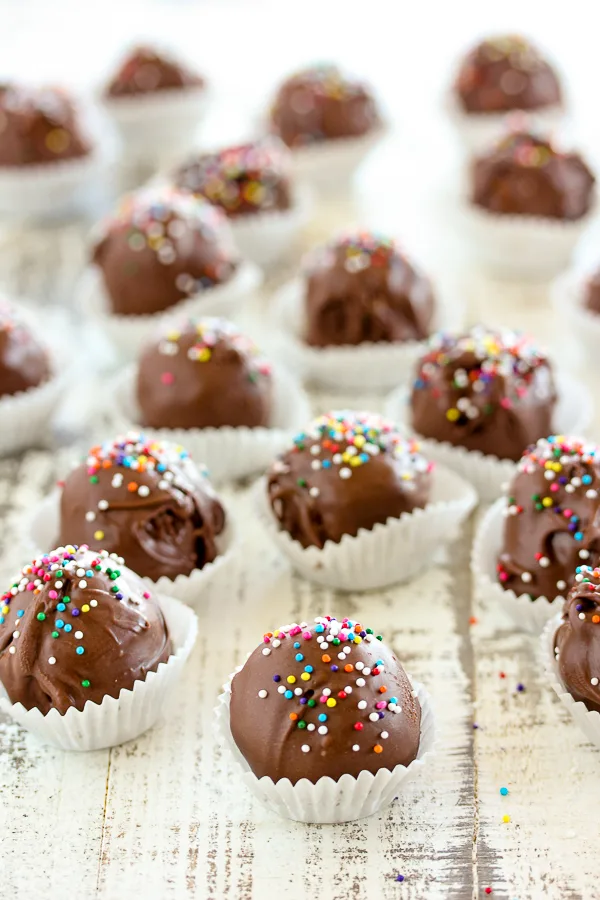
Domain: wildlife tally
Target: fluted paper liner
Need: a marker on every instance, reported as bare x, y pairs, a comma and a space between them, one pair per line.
329, 165
25, 417
265, 238
121, 719
128, 334
365, 367
520, 246
478, 131
326, 800
158, 125
568, 293
588, 720
197, 589
389, 553
228, 453
488, 474
527, 614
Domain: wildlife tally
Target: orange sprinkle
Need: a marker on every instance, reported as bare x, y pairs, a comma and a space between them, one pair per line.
132, 486
357, 629
293, 716
473, 620
348, 668
382, 689
596, 619
325, 658
378, 748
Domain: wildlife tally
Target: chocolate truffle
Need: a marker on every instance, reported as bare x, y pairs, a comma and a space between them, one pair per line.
553, 517
147, 501
577, 641
362, 288
323, 699
244, 180
162, 246
76, 626
524, 175
491, 391
38, 127
322, 104
346, 472
24, 362
506, 73
591, 297
145, 71
203, 373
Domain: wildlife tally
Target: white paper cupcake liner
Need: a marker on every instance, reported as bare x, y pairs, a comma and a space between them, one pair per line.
330, 165
115, 721
365, 367
567, 295
389, 553
198, 589
329, 801
487, 473
268, 237
157, 127
512, 246
228, 453
526, 614
128, 334
478, 131
25, 417
588, 720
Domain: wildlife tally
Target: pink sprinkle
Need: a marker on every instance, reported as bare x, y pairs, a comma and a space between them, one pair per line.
567, 513
554, 487
267, 639
381, 705
505, 403
54, 558
323, 699
31, 586
167, 378
503, 576
146, 595
53, 595
91, 470
307, 635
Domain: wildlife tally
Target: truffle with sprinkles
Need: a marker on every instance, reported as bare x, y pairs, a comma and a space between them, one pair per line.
361, 287
242, 180
486, 390
77, 626
162, 246
203, 373
577, 641
146, 500
326, 698
39, 127
145, 70
552, 517
346, 472
506, 73
24, 361
322, 104
525, 175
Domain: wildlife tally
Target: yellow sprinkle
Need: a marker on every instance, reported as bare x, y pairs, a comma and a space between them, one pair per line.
358, 639
331, 701
305, 676
98, 535
452, 415
547, 501
291, 679
5, 610
506, 818
204, 355
355, 461
359, 441
85, 608
57, 140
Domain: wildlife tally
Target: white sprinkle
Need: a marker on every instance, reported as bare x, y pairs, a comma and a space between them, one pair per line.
326, 692
266, 651
298, 692
362, 704
314, 492
322, 729
544, 562
361, 682
569, 489
281, 689
397, 709
526, 577
276, 643
355, 747
594, 681
548, 475
337, 458
58, 584
584, 554
117, 480
78, 635
143, 490
262, 694
374, 717
315, 465
366, 671
561, 585
345, 473
384, 735
90, 516
102, 504
83, 583
310, 727
93, 603
348, 689
341, 656
359, 665
12, 650
305, 748
591, 494
582, 615
80, 573
52, 660
16, 634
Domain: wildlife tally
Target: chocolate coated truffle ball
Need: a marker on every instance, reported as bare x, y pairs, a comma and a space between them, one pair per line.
506, 73
146, 501
300, 710
162, 246
321, 104
251, 178
38, 126
362, 288
577, 641
346, 472
524, 175
77, 626
553, 518
591, 298
24, 362
146, 71
203, 373
491, 391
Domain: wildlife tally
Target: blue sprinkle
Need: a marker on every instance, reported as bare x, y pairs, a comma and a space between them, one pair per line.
296, 645
319, 629
587, 479
393, 700
68, 628
61, 607
326, 463
308, 669
89, 574
298, 657
79, 651
578, 535
288, 695
59, 623
504, 791
1, 620
322, 717
20, 613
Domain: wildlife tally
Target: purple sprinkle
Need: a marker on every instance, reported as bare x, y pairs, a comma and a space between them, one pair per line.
399, 877
334, 668
303, 700
276, 677
74, 612
520, 687
475, 725
381, 714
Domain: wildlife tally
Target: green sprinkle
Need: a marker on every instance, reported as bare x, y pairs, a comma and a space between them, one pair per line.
115, 589
302, 482
55, 634
312, 703
41, 617
93, 479
301, 724
66, 599
336, 642
85, 683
